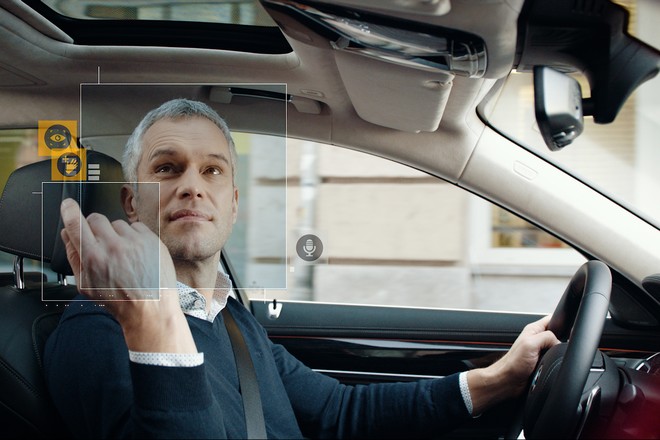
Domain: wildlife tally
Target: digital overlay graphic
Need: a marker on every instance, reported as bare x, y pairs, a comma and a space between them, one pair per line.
58, 140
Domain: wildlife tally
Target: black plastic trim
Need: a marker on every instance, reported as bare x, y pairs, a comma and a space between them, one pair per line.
475, 329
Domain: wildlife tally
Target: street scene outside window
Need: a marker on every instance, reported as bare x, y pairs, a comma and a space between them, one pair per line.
384, 242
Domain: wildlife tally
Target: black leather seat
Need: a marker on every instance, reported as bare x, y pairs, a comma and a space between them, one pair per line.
29, 312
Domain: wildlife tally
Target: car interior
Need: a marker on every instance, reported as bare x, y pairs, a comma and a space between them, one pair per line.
412, 82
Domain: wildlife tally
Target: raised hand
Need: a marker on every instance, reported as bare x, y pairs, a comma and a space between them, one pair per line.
127, 269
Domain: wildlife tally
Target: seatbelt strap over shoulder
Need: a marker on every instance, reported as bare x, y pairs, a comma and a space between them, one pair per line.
247, 380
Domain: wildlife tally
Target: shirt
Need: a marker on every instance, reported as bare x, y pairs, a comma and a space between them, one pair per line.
193, 304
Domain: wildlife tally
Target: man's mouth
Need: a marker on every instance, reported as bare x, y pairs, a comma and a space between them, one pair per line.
189, 215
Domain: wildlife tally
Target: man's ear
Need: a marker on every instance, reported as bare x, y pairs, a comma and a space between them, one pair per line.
128, 202
234, 206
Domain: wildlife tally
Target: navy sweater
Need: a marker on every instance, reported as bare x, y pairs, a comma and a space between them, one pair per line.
100, 393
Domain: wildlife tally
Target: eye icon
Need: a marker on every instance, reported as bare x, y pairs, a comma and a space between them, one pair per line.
57, 137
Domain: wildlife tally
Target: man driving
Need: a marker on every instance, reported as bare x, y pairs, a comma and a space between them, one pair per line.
137, 367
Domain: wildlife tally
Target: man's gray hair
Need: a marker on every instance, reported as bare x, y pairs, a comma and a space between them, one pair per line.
174, 109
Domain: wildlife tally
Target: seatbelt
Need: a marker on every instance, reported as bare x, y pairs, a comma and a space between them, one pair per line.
247, 380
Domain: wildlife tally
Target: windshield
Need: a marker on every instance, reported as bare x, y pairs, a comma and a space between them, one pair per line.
619, 159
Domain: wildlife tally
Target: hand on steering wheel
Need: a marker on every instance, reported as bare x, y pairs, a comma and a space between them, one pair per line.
552, 408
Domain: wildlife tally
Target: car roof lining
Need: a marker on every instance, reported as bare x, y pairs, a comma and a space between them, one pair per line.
58, 68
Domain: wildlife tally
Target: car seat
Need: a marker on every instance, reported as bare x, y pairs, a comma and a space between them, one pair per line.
30, 310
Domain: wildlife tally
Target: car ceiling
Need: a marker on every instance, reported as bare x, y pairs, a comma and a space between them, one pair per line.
337, 96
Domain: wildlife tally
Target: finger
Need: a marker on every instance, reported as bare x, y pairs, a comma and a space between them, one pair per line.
122, 228
101, 228
538, 326
76, 226
140, 227
144, 231
543, 322
72, 255
544, 340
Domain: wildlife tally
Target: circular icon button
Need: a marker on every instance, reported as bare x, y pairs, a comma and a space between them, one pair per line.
57, 137
309, 247
69, 164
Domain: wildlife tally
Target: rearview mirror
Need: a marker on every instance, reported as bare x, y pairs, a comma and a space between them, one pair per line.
558, 107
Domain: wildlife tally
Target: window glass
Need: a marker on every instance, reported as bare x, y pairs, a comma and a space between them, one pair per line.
620, 159
617, 158
392, 235
245, 12
510, 231
18, 148
257, 245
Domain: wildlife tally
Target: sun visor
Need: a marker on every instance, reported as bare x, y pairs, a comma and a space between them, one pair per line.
378, 95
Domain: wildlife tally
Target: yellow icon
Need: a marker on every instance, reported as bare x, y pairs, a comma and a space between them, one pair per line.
56, 136
70, 164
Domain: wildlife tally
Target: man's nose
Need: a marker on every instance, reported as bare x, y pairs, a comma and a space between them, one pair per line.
190, 184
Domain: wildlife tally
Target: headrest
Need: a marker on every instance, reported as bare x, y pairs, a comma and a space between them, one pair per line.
30, 221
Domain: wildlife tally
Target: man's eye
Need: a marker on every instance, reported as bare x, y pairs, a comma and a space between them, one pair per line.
213, 170
164, 169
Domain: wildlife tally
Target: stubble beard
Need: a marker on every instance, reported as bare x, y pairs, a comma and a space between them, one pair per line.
183, 247
193, 250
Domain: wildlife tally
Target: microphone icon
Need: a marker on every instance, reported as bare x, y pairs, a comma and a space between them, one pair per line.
309, 248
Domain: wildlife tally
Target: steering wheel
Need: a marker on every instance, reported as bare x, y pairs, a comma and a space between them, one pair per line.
553, 405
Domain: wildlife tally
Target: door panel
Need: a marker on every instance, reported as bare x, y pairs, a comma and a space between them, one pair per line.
368, 344
389, 340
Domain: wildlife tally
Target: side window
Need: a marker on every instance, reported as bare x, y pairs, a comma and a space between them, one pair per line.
18, 148
392, 235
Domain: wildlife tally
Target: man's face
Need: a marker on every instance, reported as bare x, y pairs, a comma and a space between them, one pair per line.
190, 159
